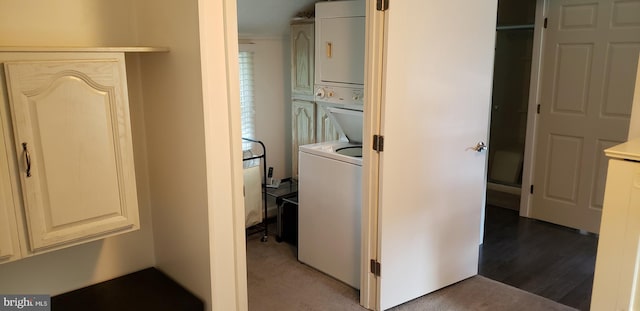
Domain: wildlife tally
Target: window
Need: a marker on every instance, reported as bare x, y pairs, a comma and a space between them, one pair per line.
247, 107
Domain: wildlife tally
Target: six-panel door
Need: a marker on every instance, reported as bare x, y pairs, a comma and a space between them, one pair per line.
590, 55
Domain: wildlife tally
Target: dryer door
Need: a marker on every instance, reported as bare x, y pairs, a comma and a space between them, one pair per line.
340, 34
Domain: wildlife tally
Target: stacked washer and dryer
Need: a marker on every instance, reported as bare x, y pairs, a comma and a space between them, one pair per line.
330, 173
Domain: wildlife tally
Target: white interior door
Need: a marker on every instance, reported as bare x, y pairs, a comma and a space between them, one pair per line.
590, 52
436, 100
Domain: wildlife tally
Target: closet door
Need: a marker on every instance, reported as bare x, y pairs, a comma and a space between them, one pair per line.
73, 143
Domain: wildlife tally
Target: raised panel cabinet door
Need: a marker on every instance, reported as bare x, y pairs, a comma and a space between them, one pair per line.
303, 121
9, 241
325, 131
73, 142
302, 55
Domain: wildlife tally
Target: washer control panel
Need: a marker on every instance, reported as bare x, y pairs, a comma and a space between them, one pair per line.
339, 95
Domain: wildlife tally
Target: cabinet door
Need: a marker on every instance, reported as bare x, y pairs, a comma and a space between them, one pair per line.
615, 273
302, 128
73, 142
325, 131
9, 242
302, 50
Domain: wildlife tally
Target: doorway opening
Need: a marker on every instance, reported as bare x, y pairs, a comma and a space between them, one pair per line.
510, 101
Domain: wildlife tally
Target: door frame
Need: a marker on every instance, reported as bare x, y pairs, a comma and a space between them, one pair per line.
374, 52
374, 44
218, 36
526, 197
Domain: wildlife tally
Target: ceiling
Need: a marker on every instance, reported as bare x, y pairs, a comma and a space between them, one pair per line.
269, 18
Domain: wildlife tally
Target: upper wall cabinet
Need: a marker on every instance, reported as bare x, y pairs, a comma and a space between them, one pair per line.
302, 59
72, 148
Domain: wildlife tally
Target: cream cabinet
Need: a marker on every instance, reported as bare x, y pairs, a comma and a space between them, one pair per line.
325, 131
9, 238
69, 150
303, 121
309, 123
618, 261
302, 59
303, 108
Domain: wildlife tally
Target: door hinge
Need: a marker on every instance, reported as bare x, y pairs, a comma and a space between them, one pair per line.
538, 109
375, 267
531, 189
545, 22
382, 5
378, 143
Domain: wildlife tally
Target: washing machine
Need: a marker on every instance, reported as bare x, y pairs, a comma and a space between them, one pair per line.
329, 199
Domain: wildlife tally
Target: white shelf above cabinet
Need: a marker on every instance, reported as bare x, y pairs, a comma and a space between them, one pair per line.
125, 49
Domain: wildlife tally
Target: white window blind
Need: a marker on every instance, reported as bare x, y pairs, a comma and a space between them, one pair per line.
247, 107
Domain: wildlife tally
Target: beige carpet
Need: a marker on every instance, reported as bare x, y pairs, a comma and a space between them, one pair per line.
278, 282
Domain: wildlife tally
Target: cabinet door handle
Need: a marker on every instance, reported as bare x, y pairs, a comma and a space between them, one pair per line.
329, 47
27, 157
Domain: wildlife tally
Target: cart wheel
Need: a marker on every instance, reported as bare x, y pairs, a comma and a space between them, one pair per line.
264, 238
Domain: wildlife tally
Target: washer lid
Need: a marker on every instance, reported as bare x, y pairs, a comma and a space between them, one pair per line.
347, 122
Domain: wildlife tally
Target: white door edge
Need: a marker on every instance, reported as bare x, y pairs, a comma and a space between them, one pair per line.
227, 255
369, 284
526, 198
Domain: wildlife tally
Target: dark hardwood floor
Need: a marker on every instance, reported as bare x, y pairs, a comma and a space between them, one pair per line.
542, 258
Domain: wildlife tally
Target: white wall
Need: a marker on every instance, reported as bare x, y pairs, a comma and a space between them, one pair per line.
172, 90
221, 103
82, 23
193, 139
66, 23
272, 78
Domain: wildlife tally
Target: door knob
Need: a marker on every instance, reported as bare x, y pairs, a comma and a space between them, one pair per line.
479, 147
